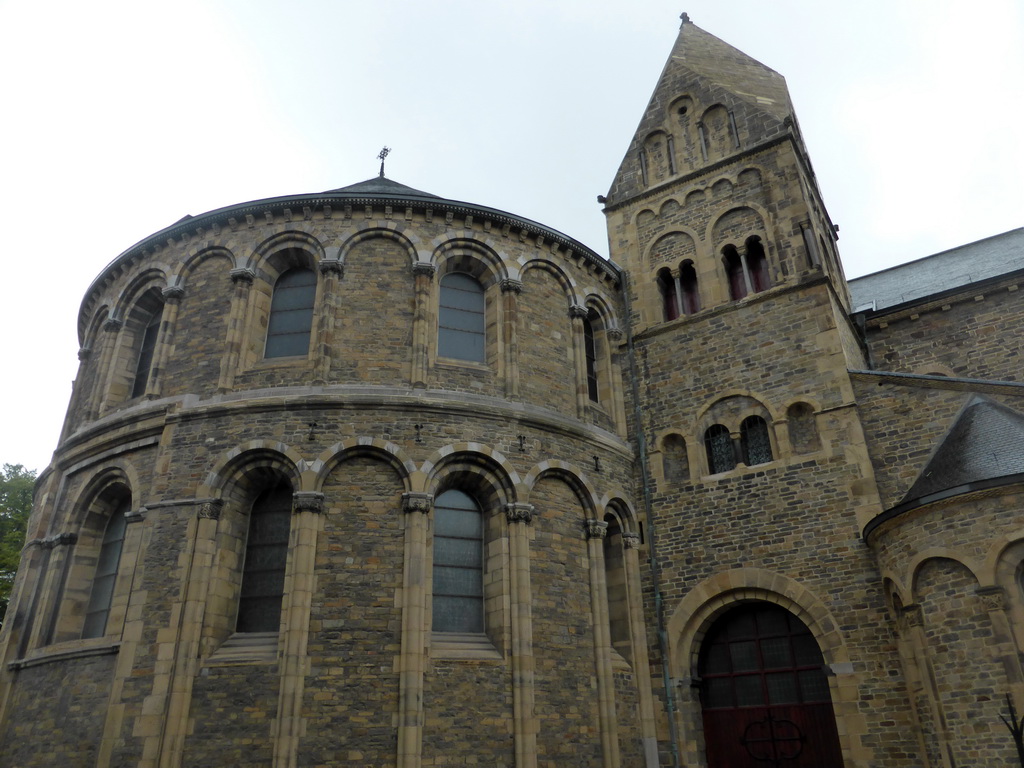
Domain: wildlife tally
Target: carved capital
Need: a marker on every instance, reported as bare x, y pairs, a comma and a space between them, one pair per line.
424, 268
519, 513
135, 515
508, 285
576, 312
173, 293
913, 615
210, 510
113, 324
84, 353
417, 502
244, 276
630, 540
614, 335
307, 501
332, 267
595, 529
59, 540
993, 598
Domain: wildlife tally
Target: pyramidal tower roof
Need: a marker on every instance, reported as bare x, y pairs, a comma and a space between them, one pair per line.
704, 83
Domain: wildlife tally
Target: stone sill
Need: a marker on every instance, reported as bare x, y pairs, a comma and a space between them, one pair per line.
467, 647
73, 649
245, 648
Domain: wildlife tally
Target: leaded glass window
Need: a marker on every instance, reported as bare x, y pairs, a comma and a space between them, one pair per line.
754, 441
721, 455
461, 320
291, 314
102, 595
458, 573
147, 348
266, 552
590, 351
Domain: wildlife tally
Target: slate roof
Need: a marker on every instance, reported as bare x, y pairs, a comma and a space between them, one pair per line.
945, 271
985, 442
380, 185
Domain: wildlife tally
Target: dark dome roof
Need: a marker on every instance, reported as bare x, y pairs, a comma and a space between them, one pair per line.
379, 185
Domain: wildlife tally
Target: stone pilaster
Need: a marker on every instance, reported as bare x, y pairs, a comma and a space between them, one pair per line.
638, 639
332, 270
923, 694
617, 407
523, 661
98, 402
299, 587
577, 315
423, 275
415, 629
597, 531
510, 290
242, 280
165, 340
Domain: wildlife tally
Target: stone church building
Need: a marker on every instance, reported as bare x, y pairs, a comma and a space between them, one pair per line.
373, 477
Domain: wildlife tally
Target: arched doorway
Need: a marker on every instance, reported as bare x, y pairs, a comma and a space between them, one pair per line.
764, 694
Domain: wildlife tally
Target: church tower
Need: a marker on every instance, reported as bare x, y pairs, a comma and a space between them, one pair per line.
758, 476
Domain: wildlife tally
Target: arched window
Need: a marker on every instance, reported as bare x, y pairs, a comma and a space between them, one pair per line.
147, 348
461, 318
755, 443
757, 265
266, 552
721, 454
590, 353
735, 273
458, 574
618, 596
669, 298
688, 288
291, 314
102, 595
764, 693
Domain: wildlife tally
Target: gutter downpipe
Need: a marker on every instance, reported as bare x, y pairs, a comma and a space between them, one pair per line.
645, 476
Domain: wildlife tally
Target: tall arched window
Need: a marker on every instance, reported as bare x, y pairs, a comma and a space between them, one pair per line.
669, 299
291, 314
458, 574
718, 444
688, 285
764, 693
266, 553
590, 353
147, 348
755, 443
461, 318
617, 590
735, 273
757, 265
102, 595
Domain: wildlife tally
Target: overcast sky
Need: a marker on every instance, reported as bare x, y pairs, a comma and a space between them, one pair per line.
121, 117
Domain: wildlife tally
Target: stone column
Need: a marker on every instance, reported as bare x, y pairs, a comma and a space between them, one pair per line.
415, 626
242, 279
596, 531
510, 290
921, 680
638, 638
579, 355
332, 270
56, 563
617, 407
523, 662
423, 275
164, 725
104, 371
299, 587
165, 341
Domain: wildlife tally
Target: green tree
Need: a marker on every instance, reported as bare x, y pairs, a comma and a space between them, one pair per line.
16, 485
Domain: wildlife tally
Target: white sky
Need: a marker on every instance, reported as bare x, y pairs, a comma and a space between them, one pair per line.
121, 117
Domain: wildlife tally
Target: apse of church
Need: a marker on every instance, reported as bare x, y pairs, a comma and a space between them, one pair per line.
376, 477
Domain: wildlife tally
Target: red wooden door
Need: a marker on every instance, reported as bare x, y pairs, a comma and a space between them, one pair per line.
764, 693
